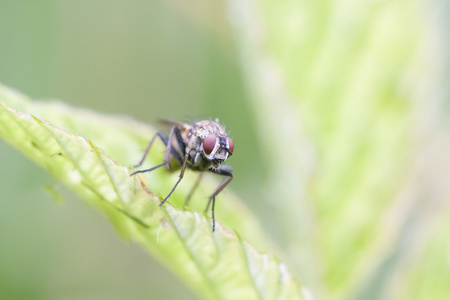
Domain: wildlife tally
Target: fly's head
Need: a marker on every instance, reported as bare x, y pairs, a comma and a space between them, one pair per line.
216, 146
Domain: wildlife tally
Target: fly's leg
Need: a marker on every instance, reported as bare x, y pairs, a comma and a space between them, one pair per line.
194, 187
225, 171
147, 149
169, 150
182, 146
183, 167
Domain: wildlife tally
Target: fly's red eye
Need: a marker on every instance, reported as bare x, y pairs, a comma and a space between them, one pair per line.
230, 145
209, 144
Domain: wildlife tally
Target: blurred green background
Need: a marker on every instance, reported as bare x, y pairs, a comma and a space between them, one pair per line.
337, 109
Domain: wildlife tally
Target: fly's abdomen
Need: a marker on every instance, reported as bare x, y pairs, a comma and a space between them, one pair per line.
176, 156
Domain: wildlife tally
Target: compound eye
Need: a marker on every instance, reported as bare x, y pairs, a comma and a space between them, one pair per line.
209, 144
230, 144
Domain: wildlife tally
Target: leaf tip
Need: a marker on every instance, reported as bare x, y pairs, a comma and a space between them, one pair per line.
93, 147
54, 194
188, 209
37, 120
238, 235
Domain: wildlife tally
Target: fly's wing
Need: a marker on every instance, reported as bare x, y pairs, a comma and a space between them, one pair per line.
170, 123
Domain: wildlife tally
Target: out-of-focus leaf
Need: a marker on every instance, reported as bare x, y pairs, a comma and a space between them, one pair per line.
342, 89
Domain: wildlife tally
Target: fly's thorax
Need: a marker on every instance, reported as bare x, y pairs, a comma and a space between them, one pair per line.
205, 128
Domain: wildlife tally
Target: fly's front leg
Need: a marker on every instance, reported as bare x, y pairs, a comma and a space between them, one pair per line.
226, 171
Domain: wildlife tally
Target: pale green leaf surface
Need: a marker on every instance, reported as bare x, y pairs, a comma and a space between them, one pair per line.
339, 80
217, 265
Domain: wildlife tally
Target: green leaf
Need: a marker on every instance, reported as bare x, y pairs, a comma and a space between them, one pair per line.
348, 88
216, 265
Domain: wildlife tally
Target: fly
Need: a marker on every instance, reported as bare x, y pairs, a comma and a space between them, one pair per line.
202, 146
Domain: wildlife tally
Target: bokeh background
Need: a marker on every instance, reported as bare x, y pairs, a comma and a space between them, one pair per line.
337, 110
